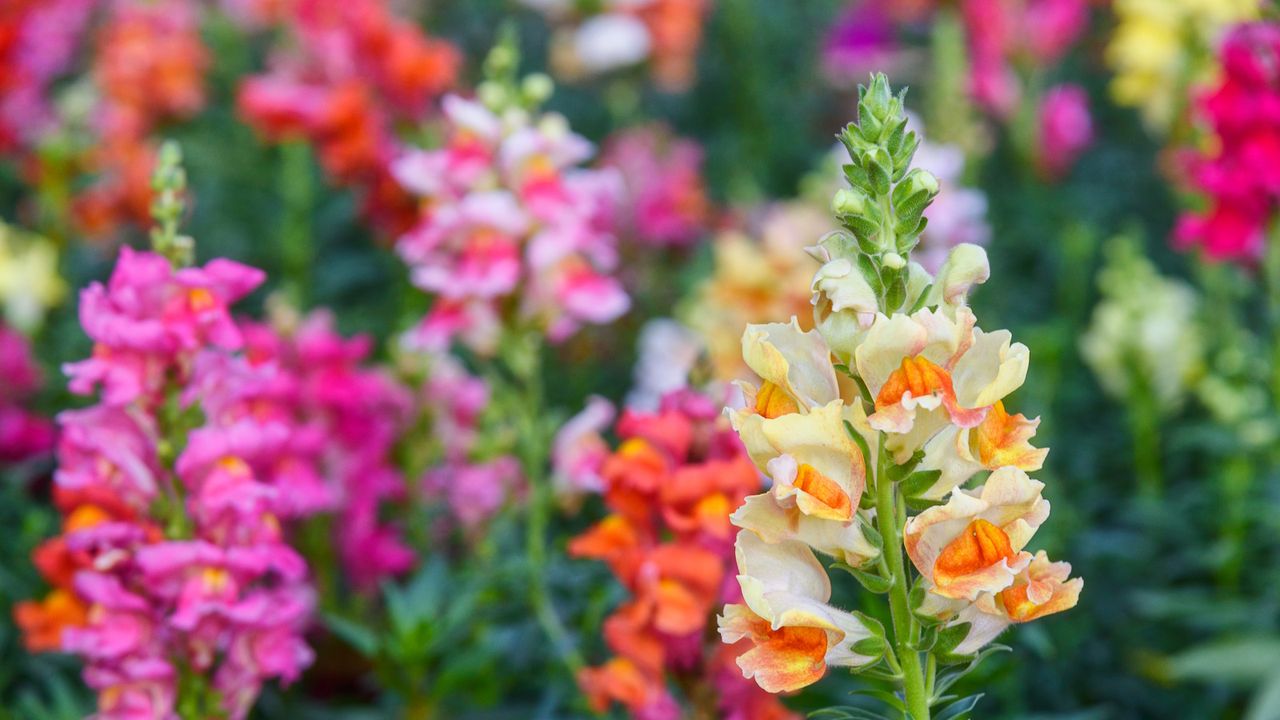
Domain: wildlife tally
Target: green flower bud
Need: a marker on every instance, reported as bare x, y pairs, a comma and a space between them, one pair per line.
849, 202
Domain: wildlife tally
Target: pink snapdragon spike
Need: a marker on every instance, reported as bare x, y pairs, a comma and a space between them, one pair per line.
1240, 179
665, 201
175, 487
150, 320
23, 433
350, 417
509, 224
1065, 129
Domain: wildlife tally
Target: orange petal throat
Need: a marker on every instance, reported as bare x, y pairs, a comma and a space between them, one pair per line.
980, 546
772, 401
825, 490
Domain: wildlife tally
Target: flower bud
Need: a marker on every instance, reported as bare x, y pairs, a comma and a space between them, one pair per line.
848, 201
893, 260
965, 267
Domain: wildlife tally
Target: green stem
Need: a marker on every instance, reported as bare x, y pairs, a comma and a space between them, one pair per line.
1144, 422
295, 225
906, 629
534, 445
1236, 481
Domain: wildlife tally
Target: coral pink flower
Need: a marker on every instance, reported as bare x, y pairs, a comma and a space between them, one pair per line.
351, 72
671, 486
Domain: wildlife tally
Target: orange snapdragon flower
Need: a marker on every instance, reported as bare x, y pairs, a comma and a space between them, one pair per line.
671, 486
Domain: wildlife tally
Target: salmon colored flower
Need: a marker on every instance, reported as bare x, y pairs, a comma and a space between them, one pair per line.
1041, 589
671, 487
1001, 439
974, 543
43, 622
928, 370
795, 635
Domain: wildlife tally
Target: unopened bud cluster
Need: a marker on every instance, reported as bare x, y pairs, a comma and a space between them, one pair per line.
882, 212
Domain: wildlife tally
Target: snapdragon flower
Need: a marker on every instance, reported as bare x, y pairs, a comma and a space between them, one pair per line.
174, 580
512, 230
670, 487
894, 402
1238, 177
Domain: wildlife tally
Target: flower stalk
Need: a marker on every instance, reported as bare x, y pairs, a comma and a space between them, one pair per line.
876, 470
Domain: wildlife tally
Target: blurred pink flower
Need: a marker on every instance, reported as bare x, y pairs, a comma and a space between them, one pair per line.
508, 215
180, 562
150, 318
864, 39
1065, 129
579, 449
1004, 32
1240, 179
665, 201
23, 433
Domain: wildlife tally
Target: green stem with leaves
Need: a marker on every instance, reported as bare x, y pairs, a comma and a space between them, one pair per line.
524, 360
906, 629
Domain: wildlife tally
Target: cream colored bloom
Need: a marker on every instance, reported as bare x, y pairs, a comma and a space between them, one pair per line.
928, 370
29, 281
775, 522
793, 365
974, 543
813, 462
795, 634
1143, 331
959, 453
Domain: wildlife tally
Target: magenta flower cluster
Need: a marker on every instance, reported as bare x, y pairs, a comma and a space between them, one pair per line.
1240, 178
190, 579
23, 432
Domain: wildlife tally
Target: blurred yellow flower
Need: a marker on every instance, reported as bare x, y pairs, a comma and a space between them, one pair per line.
1161, 47
29, 279
758, 277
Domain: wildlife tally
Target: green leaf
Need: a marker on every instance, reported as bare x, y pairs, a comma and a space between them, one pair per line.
884, 696
1236, 660
870, 581
959, 709
364, 640
1265, 705
919, 482
861, 442
898, 472
950, 637
872, 647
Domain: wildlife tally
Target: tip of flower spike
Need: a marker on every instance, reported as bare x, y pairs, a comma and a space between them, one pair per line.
883, 209
169, 183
